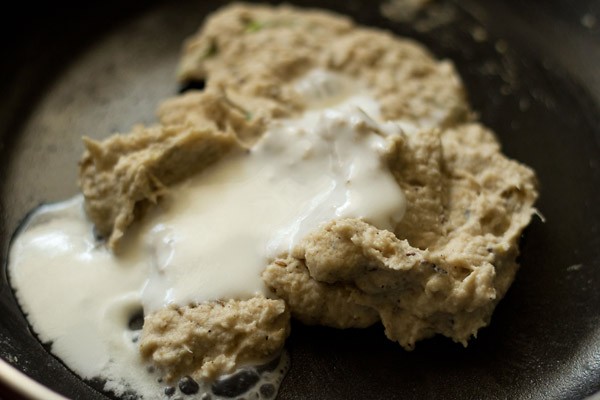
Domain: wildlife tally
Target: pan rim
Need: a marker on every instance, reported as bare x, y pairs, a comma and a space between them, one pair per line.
23, 385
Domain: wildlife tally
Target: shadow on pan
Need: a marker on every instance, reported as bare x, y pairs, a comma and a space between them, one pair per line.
531, 70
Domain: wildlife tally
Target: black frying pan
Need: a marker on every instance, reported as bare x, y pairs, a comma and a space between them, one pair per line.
73, 68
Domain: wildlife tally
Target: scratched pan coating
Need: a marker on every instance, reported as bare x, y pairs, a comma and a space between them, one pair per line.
530, 68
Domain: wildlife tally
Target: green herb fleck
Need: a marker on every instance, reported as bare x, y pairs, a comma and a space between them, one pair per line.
211, 50
254, 26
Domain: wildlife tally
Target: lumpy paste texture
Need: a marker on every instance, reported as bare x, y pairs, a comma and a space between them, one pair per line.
437, 260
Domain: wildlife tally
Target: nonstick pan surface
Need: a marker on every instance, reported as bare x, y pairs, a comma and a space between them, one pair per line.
532, 70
